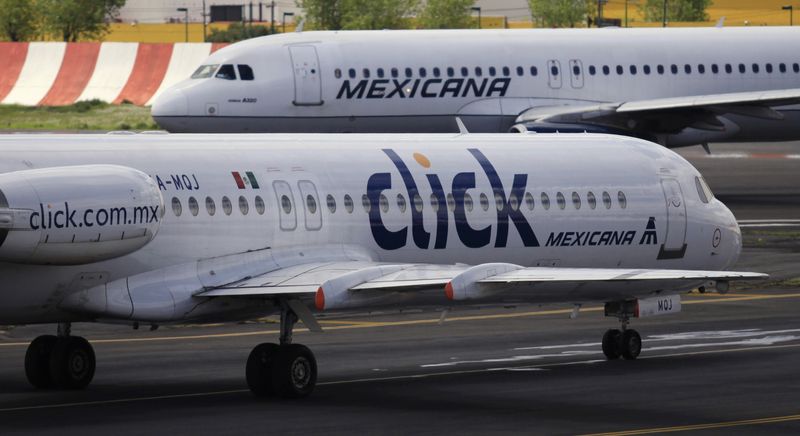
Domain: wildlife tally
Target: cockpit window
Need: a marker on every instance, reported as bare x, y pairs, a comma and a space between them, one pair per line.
703, 190
204, 71
226, 72
245, 72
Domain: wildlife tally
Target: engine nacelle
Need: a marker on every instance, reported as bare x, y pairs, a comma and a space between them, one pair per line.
76, 215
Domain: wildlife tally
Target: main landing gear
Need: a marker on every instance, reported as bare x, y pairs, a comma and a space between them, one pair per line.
287, 370
623, 342
62, 362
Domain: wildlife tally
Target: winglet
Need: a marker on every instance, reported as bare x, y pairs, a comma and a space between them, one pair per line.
462, 129
720, 22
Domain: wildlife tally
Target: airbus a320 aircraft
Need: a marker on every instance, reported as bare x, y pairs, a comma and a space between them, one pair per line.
673, 86
160, 229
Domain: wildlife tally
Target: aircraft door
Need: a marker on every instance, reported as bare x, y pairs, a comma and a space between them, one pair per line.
674, 245
286, 205
576, 73
307, 83
310, 199
554, 74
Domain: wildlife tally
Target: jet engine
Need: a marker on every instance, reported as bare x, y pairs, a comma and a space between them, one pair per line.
76, 215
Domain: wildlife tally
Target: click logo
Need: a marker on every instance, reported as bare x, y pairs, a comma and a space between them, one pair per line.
471, 237
65, 218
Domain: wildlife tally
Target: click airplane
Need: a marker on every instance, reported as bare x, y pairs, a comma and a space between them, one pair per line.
166, 229
675, 86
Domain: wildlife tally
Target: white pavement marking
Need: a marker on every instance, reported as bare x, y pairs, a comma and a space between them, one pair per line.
111, 72
38, 73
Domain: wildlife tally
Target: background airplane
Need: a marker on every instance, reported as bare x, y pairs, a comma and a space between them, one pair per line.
677, 87
159, 229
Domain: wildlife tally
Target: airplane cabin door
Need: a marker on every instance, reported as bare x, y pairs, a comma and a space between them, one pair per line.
576, 73
286, 205
310, 199
307, 83
554, 74
674, 245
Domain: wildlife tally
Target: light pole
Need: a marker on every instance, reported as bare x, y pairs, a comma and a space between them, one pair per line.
185, 21
664, 22
286, 14
789, 8
478, 10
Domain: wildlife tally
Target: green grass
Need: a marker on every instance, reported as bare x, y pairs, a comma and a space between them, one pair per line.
81, 116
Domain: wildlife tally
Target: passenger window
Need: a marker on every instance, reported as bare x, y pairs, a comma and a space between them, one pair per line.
620, 70
352, 73
365, 73
768, 67
796, 68
422, 72
529, 200
545, 201
437, 72
534, 71
244, 207
492, 71
728, 68
395, 73
450, 72
592, 70
365, 203
380, 72
484, 202
286, 204
311, 203
226, 72
660, 69
633, 69
590, 198
755, 68
701, 68
384, 203
228, 208
520, 71
331, 201
554, 70
337, 73
646, 69
245, 72
211, 207
714, 68
562, 202
204, 71
435, 202
742, 68
506, 71
498, 202
782, 68
464, 72
687, 69
576, 70
348, 203
673, 69
576, 200
409, 72
194, 208
417, 203
623, 202
606, 70
451, 202
513, 201
401, 203
478, 71
606, 200
468, 203
260, 208
177, 209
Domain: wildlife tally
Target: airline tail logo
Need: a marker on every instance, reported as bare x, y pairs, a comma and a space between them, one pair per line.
468, 235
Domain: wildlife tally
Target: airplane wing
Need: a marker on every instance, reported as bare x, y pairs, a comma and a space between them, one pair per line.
661, 116
336, 285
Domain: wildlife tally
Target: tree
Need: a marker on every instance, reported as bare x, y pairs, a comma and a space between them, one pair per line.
358, 14
677, 10
18, 20
447, 14
71, 20
561, 13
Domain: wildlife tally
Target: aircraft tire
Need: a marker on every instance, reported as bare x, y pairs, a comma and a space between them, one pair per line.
37, 361
631, 344
259, 369
72, 363
611, 344
294, 372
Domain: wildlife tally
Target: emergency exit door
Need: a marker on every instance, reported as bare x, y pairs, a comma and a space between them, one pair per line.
307, 83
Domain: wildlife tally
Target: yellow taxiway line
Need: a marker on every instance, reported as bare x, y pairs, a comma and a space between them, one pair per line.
346, 325
695, 427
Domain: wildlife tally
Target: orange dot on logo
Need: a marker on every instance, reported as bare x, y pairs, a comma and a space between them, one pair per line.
422, 160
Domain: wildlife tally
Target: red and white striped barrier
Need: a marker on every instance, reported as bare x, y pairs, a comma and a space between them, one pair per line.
57, 73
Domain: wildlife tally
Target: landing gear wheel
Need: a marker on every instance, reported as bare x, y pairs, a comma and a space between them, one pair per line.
611, 341
72, 363
294, 371
37, 361
259, 369
631, 344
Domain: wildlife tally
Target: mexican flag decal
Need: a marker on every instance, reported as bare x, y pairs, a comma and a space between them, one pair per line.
249, 180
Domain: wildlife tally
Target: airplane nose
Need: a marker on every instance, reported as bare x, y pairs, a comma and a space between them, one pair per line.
171, 103
731, 235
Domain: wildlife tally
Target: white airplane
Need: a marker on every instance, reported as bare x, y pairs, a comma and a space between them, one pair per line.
677, 87
162, 229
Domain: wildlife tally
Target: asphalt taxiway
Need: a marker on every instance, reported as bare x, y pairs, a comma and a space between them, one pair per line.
726, 364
